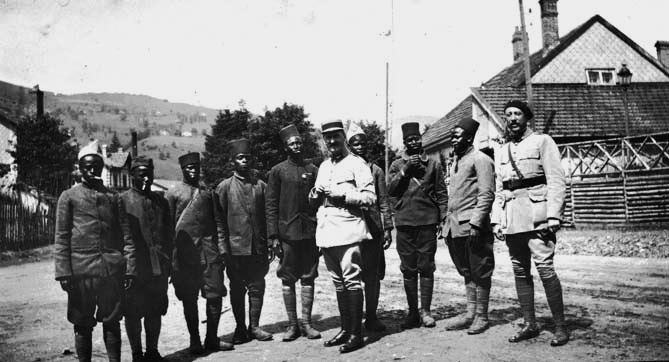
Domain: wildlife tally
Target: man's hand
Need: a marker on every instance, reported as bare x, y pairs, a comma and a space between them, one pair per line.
274, 249
474, 236
128, 282
553, 225
414, 160
497, 230
387, 239
66, 285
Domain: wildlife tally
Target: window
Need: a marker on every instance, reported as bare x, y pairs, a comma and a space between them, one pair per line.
600, 76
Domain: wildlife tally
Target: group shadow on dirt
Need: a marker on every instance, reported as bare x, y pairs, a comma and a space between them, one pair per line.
393, 319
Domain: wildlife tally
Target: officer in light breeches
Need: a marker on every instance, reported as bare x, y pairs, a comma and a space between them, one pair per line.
529, 200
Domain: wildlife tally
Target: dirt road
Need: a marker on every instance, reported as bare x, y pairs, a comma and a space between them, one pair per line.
617, 309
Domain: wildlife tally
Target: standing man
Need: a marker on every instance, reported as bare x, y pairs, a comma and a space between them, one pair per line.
92, 237
529, 200
291, 227
243, 240
417, 183
197, 263
152, 232
343, 187
467, 226
380, 224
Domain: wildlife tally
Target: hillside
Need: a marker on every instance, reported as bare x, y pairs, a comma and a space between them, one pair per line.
165, 151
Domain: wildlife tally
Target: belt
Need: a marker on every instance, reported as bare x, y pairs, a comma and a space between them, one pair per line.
515, 184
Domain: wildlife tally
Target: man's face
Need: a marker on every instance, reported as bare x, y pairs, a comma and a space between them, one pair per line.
241, 162
413, 144
90, 167
142, 178
294, 145
358, 145
516, 121
191, 173
460, 139
335, 142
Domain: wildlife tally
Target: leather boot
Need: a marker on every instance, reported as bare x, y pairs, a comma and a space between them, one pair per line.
426, 289
112, 337
290, 301
344, 320
133, 328
481, 321
561, 335
237, 303
192, 319
525, 290
83, 343
307, 305
355, 340
553, 289
462, 321
411, 289
152, 327
255, 308
211, 341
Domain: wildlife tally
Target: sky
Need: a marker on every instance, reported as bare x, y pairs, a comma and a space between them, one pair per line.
328, 56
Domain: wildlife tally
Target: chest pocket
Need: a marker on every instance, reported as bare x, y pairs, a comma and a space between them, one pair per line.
529, 154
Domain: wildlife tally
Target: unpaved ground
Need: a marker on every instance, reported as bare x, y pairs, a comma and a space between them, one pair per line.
617, 309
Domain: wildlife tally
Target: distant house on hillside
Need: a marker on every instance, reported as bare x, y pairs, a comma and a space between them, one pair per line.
116, 173
7, 143
576, 93
186, 134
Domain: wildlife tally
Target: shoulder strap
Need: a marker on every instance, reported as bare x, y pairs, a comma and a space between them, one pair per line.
513, 162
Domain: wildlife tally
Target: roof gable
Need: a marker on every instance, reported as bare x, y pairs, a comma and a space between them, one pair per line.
435, 134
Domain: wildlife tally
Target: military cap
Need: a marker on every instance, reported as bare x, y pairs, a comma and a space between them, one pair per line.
354, 130
241, 145
142, 161
522, 106
89, 149
332, 127
469, 125
288, 132
410, 129
189, 158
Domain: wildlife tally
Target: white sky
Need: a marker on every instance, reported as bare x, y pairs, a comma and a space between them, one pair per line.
328, 56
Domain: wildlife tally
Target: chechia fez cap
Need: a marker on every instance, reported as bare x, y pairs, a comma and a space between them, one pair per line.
520, 105
469, 125
410, 129
288, 132
189, 158
238, 146
142, 161
332, 127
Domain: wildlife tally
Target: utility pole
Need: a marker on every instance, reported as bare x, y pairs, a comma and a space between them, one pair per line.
387, 128
526, 60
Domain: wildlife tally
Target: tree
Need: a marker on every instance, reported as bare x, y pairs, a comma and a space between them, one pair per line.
115, 143
43, 156
376, 139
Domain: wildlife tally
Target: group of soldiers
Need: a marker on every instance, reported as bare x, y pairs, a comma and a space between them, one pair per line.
116, 253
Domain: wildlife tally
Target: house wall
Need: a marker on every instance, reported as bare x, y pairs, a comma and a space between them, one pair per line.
7, 142
597, 48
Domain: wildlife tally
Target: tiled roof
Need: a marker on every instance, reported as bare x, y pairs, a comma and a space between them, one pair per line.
117, 159
439, 130
514, 75
585, 111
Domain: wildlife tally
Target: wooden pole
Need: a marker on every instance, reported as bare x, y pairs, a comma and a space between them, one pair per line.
526, 59
387, 126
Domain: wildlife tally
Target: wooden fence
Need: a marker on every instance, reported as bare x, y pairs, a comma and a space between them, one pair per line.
24, 226
617, 181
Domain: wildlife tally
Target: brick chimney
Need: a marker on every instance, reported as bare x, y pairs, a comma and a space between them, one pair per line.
662, 47
517, 42
549, 23
133, 134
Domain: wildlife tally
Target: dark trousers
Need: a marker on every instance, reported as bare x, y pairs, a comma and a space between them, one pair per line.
93, 300
373, 259
147, 298
299, 262
416, 246
246, 273
207, 279
474, 262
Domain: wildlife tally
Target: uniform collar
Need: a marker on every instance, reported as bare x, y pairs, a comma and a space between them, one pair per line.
528, 132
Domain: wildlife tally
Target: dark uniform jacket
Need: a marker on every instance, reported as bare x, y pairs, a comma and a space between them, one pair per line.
193, 211
420, 196
92, 234
289, 214
471, 193
243, 227
152, 232
379, 216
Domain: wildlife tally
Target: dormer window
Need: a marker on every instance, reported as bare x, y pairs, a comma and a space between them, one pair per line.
604, 76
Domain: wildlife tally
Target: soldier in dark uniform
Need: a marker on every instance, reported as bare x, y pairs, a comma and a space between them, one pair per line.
380, 224
243, 240
417, 184
92, 237
529, 200
197, 263
291, 228
467, 226
152, 232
